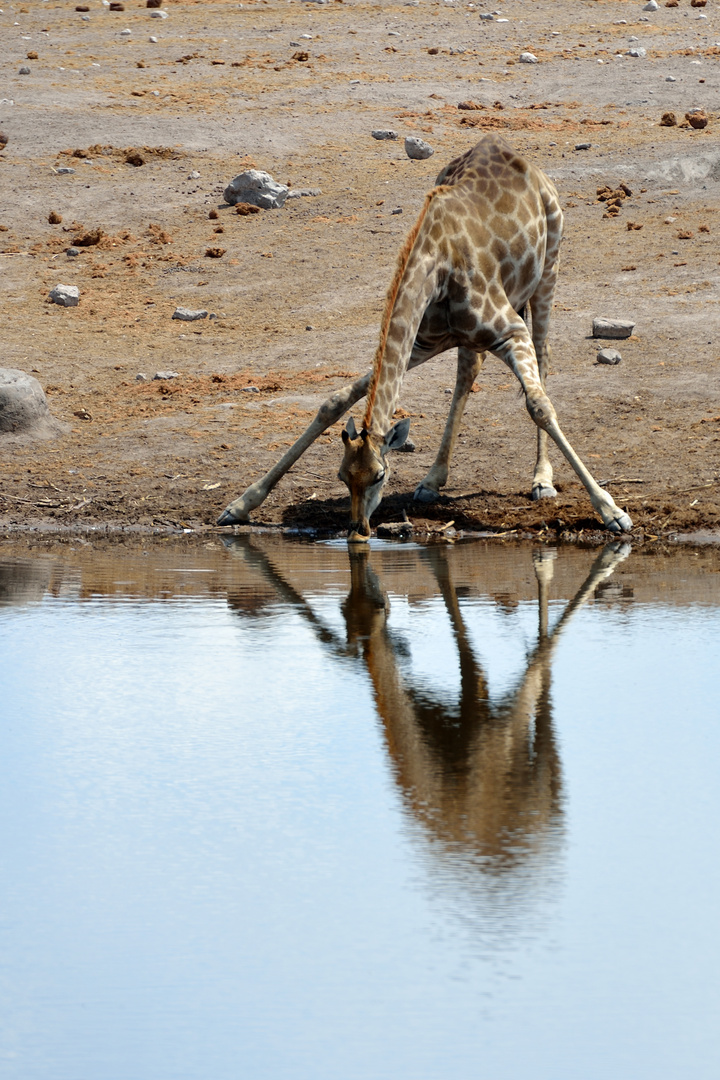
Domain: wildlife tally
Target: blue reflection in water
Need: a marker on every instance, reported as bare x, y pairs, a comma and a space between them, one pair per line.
257, 830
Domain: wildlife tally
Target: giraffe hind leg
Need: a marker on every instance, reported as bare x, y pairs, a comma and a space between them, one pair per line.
468, 365
519, 355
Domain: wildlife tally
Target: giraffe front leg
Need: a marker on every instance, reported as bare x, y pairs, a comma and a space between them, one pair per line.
330, 411
519, 354
468, 365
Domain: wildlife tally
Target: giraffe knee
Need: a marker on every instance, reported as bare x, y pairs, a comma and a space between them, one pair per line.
540, 408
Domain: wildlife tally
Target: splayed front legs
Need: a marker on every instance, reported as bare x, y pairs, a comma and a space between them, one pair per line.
330, 411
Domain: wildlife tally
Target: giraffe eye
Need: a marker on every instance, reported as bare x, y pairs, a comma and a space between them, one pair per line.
379, 478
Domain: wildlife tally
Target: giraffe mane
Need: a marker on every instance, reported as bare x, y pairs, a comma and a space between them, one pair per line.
392, 294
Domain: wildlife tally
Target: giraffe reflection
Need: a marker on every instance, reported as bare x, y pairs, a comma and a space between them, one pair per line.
482, 777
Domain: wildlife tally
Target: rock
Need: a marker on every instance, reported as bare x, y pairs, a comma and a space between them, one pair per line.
65, 295
126, 32
256, 188
160, 376
670, 78
65, 171
384, 133
528, 58
72, 252
583, 146
638, 52
194, 175
417, 149
23, 406
141, 377
652, 5
608, 356
24, 70
408, 447
158, 14
304, 192
486, 16
188, 315
612, 328
395, 529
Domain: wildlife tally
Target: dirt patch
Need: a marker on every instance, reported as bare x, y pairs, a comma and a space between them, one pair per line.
154, 131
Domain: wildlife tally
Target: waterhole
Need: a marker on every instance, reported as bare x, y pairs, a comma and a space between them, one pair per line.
272, 811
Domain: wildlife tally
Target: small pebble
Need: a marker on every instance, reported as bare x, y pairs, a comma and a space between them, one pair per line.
153, 39
397, 211
250, 389
583, 146
24, 70
141, 377
64, 171
384, 133
637, 52
160, 376
158, 14
608, 356
652, 5
125, 33
670, 78
72, 252
194, 175
528, 58
188, 315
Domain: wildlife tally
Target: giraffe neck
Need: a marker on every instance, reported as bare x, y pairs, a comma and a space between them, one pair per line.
409, 294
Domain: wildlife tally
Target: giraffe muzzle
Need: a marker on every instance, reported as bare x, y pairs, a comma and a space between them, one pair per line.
359, 532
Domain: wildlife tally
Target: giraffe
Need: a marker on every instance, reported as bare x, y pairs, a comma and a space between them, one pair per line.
475, 773
484, 248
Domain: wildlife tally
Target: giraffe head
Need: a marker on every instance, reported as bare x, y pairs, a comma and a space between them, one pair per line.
364, 469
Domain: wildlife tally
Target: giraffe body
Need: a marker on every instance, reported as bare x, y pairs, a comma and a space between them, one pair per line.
484, 248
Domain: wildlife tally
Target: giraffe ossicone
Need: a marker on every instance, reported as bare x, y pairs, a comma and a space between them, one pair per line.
484, 249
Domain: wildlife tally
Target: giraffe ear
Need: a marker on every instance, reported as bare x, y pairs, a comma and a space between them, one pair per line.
396, 436
349, 431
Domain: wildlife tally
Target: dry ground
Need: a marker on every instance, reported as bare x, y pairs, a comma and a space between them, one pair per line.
298, 292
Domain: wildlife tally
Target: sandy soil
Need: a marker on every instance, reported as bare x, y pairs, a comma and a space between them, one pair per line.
298, 292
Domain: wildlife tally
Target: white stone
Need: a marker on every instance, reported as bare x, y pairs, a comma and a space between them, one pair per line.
23, 406
612, 328
637, 52
65, 295
384, 133
257, 188
125, 33
528, 58
160, 376
652, 5
156, 13
417, 148
188, 315
670, 78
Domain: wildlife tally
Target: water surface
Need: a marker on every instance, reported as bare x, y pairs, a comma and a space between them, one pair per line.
267, 811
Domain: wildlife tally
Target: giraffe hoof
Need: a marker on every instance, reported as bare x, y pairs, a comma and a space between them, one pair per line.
425, 494
228, 518
542, 491
620, 523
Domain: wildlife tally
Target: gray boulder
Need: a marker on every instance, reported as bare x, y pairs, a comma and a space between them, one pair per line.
417, 148
24, 408
257, 188
65, 295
